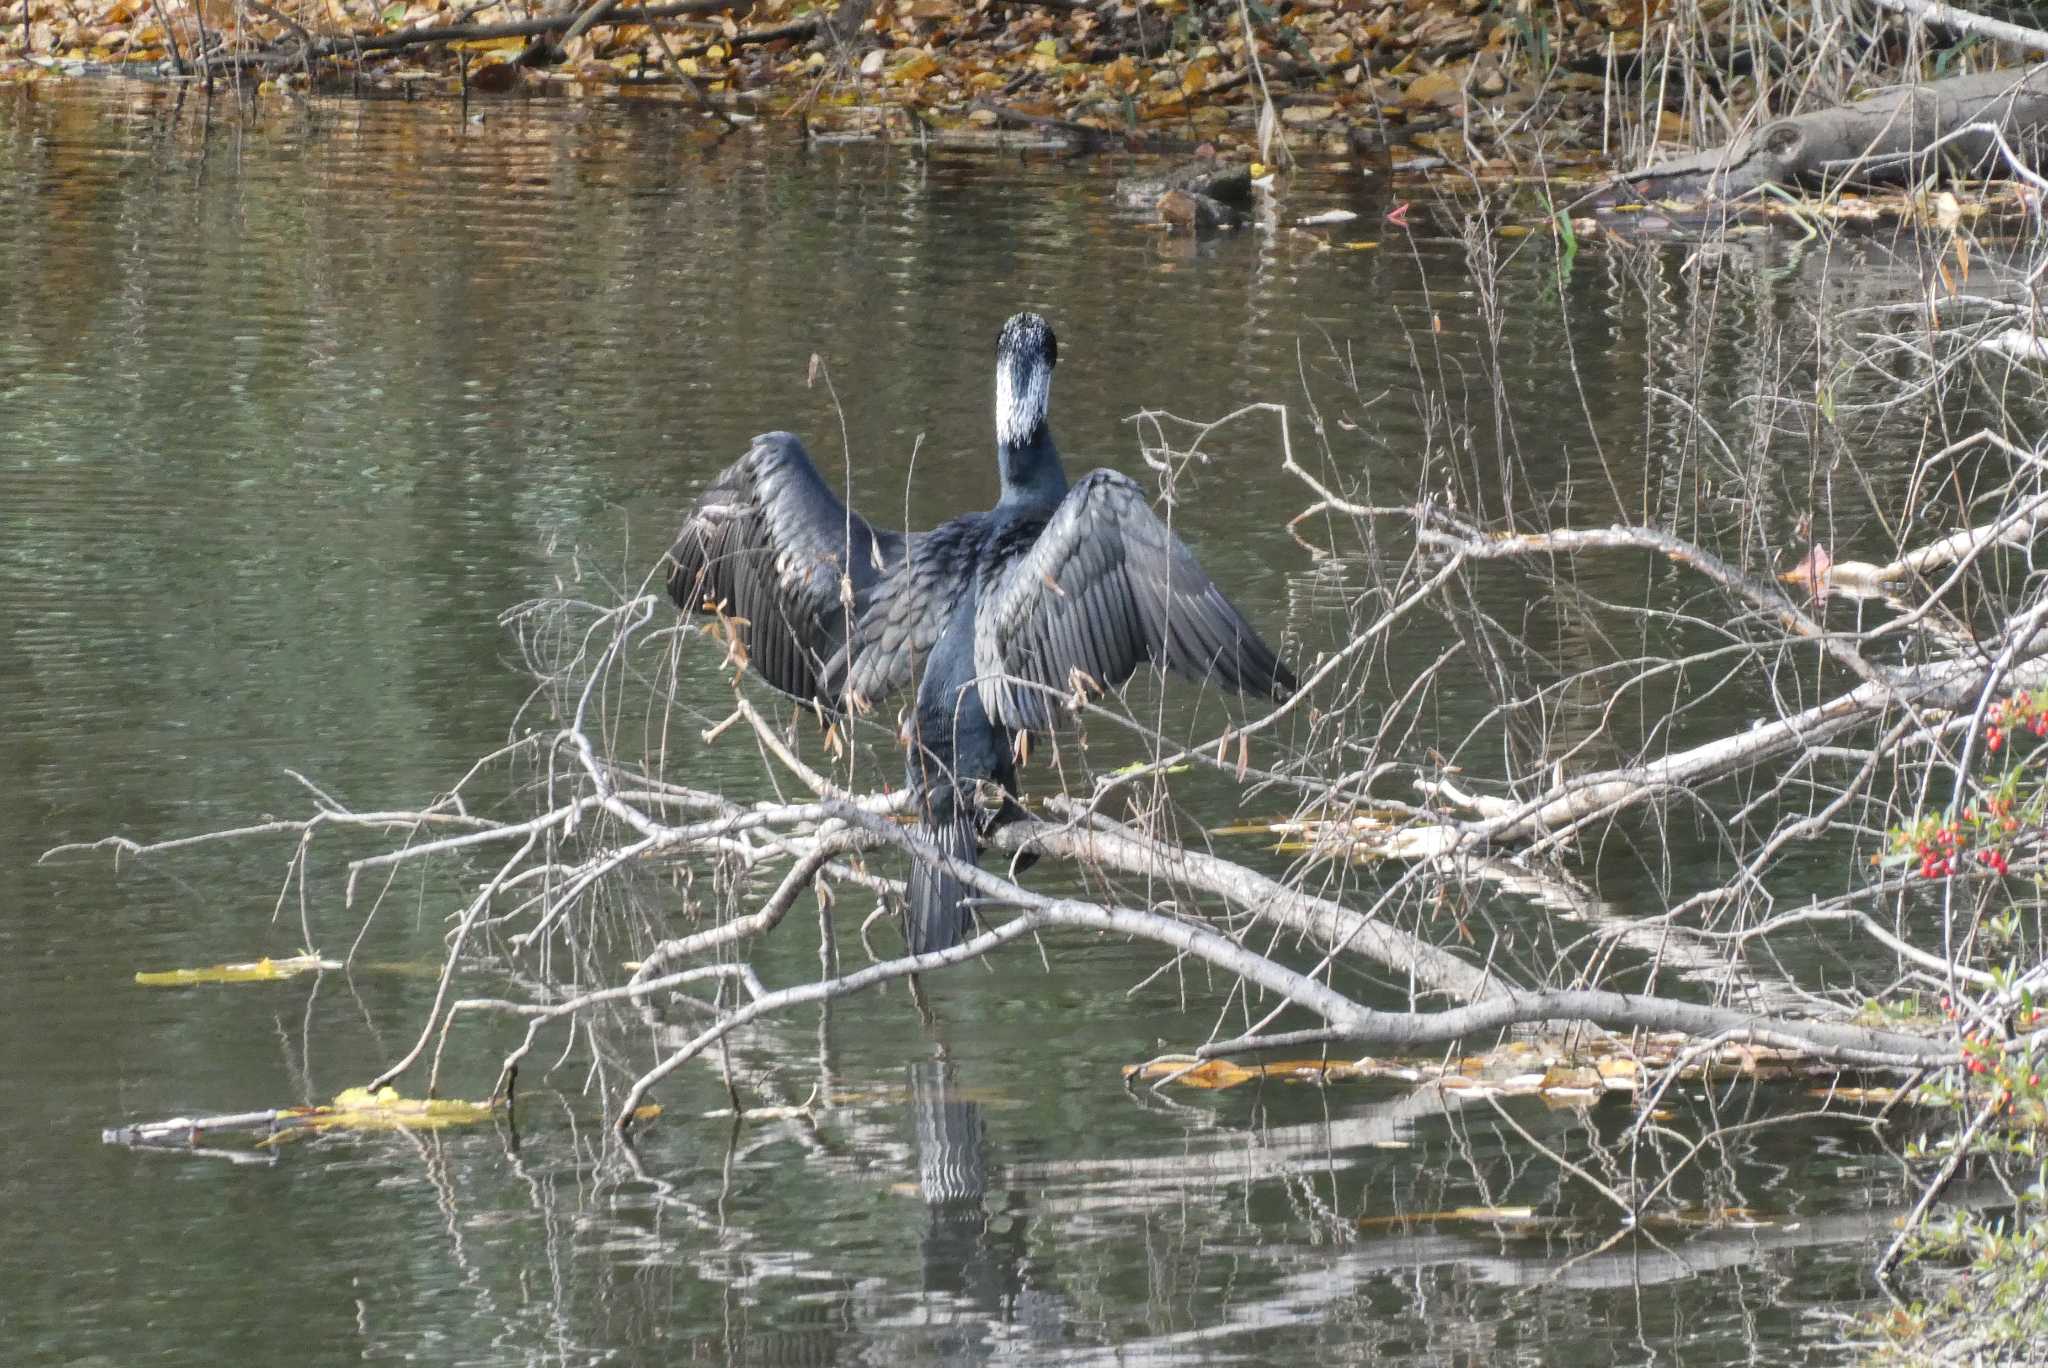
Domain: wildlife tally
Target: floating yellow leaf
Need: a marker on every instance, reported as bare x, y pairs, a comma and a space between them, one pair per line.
1221, 1073
386, 1109
257, 971
1312, 1070
1211, 1073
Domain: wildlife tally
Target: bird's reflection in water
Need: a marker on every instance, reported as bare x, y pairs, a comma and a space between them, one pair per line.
952, 1176
973, 1258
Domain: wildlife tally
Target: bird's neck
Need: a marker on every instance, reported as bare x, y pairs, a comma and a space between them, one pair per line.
1031, 470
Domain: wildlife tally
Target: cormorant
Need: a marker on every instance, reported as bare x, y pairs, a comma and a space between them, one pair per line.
1055, 591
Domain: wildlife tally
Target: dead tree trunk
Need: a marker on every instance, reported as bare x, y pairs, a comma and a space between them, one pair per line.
1901, 134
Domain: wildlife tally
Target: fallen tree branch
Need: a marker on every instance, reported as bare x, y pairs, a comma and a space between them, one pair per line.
1346, 1020
1568, 804
1892, 135
1089, 838
1935, 14
1860, 1045
1327, 924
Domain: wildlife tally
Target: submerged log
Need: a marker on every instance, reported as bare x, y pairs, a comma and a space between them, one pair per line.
1900, 134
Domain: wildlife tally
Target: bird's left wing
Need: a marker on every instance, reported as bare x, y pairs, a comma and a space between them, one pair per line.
1105, 588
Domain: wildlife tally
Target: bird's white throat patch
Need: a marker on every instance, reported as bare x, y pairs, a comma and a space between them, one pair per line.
1022, 392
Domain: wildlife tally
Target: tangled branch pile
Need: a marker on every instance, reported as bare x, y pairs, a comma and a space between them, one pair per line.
1886, 749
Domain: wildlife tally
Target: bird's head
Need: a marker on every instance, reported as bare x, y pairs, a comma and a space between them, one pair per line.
1025, 355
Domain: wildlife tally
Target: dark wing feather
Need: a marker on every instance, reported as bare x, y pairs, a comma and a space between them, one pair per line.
1105, 588
901, 620
769, 542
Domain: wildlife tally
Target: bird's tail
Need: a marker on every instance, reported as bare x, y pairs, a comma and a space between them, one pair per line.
939, 915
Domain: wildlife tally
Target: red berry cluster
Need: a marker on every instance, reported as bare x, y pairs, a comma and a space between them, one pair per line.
1984, 832
1998, 818
1941, 846
1985, 1056
1937, 851
2021, 712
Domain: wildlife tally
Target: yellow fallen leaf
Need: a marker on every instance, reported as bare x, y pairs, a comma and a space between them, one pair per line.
257, 971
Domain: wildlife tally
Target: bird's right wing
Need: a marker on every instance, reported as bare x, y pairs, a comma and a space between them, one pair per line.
771, 544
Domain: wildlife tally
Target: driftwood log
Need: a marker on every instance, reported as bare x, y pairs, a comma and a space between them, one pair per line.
1953, 126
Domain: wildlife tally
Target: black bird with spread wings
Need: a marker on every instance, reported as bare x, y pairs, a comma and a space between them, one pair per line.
1055, 591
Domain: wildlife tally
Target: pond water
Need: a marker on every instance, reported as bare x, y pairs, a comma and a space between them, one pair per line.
295, 400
